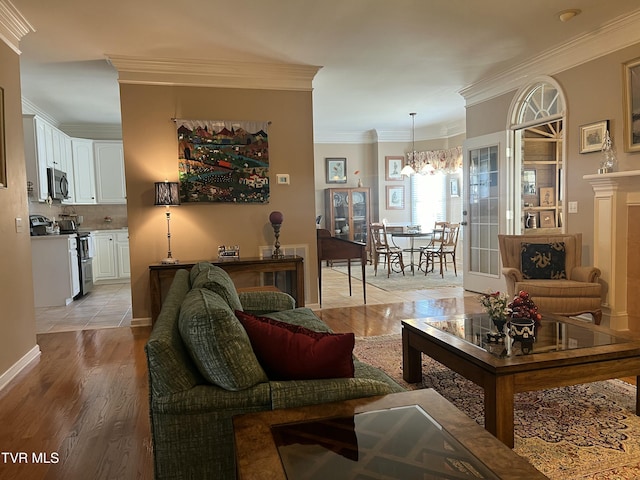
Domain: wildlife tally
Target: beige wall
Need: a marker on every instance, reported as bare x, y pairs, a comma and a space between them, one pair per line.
17, 320
150, 149
593, 92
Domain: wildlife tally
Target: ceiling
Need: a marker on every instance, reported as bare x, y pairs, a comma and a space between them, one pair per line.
380, 59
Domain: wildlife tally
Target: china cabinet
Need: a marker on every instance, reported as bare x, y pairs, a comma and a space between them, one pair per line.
348, 212
542, 161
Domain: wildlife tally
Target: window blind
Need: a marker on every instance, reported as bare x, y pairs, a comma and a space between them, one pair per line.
428, 200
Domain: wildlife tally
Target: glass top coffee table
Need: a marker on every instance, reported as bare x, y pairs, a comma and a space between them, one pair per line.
566, 352
414, 434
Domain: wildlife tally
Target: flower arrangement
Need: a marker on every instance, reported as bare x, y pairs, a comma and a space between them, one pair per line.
496, 304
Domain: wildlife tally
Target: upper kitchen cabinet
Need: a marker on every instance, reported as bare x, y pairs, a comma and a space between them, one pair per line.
109, 170
46, 147
84, 171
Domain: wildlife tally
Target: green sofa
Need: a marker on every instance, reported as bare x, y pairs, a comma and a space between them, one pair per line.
203, 371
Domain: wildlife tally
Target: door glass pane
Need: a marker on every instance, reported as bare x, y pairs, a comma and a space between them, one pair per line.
483, 201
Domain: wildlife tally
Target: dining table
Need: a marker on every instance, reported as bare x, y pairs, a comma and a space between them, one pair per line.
411, 235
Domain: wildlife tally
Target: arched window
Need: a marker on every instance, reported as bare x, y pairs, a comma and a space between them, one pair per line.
536, 103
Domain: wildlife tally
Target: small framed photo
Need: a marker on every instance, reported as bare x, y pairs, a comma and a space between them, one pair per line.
529, 181
547, 197
454, 187
395, 197
336, 170
393, 166
632, 106
547, 219
592, 136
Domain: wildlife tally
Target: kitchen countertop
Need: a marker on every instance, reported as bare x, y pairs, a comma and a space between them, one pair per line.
56, 235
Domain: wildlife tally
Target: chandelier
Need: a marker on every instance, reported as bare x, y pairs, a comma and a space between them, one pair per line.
414, 165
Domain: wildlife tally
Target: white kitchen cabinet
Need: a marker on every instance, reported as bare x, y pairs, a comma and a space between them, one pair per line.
55, 269
109, 170
111, 257
63, 160
84, 175
38, 154
46, 147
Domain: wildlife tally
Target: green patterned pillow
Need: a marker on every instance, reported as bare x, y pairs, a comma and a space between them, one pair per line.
217, 341
216, 279
543, 261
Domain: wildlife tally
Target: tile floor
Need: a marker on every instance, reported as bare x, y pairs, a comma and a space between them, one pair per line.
104, 307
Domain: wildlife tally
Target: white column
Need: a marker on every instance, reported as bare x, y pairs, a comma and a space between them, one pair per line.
613, 193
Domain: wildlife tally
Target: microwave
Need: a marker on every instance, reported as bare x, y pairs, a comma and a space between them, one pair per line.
58, 184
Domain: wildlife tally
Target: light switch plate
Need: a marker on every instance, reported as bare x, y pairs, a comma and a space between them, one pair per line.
573, 207
282, 178
18, 224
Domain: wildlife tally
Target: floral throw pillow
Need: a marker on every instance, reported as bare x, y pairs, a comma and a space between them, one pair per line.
543, 261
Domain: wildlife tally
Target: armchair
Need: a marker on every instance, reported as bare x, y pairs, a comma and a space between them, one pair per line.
568, 289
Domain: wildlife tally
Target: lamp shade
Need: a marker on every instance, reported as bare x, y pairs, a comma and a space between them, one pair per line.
276, 218
167, 193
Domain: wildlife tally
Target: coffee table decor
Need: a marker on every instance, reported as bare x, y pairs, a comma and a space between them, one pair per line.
496, 304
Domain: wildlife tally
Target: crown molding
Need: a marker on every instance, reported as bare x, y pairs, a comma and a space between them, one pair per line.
13, 25
435, 132
93, 131
620, 33
328, 136
213, 73
29, 108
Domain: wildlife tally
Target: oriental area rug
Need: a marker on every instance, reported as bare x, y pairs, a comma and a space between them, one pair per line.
587, 431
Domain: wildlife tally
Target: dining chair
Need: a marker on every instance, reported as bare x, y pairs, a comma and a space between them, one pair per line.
383, 248
443, 243
435, 244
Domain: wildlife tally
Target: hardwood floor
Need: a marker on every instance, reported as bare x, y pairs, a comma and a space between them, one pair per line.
83, 406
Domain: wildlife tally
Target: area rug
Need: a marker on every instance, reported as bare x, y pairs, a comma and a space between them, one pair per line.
407, 282
583, 432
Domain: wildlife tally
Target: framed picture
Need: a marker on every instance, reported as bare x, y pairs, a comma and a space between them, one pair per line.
547, 197
632, 106
547, 219
3, 156
395, 197
529, 181
454, 187
336, 170
393, 166
592, 136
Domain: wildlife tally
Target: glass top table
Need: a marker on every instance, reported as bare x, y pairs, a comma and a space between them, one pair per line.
566, 351
411, 434
403, 442
554, 335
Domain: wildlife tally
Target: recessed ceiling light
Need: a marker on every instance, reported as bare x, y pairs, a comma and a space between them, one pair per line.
567, 15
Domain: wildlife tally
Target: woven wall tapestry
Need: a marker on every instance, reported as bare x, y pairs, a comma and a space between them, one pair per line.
223, 161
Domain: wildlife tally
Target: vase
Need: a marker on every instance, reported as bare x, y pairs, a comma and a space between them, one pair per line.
499, 324
523, 330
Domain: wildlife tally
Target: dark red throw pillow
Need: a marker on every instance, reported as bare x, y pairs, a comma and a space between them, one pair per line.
292, 352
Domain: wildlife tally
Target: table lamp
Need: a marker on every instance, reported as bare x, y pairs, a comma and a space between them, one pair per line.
276, 218
167, 194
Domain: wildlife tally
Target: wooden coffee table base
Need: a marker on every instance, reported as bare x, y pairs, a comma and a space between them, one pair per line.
501, 378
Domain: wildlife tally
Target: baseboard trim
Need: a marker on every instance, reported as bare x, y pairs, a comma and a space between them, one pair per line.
141, 322
20, 365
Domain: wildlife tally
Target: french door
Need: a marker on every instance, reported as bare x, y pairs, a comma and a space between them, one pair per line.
486, 203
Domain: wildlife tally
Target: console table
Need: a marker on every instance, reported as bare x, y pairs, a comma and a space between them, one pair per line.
161, 274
